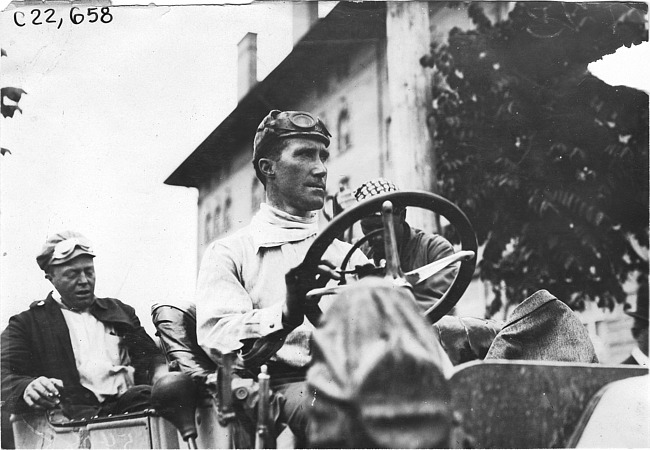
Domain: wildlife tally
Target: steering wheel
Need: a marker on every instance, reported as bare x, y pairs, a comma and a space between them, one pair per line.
362, 240
421, 199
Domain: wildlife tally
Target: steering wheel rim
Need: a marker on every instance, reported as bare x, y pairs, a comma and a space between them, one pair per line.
421, 199
362, 240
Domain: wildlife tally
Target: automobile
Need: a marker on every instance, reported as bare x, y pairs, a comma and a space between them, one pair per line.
499, 403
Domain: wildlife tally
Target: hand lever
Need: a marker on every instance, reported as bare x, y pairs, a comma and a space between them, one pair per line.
262, 434
393, 269
226, 412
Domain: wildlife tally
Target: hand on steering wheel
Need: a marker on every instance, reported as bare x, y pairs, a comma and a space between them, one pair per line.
301, 280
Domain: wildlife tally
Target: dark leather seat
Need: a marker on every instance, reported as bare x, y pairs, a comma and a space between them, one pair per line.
466, 338
176, 328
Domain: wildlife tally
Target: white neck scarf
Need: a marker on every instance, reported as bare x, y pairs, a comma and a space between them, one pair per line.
271, 227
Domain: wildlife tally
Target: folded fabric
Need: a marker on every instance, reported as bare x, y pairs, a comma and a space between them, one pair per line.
271, 227
543, 328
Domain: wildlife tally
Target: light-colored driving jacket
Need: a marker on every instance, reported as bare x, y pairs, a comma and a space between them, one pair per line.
241, 287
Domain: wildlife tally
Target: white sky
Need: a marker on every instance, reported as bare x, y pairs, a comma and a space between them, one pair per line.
112, 109
627, 67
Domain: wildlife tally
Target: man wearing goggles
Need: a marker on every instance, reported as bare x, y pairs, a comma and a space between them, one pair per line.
242, 304
87, 356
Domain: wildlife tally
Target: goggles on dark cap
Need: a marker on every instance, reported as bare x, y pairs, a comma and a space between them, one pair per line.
67, 249
290, 123
60, 248
296, 121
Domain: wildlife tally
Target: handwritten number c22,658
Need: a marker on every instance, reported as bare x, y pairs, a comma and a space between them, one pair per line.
76, 16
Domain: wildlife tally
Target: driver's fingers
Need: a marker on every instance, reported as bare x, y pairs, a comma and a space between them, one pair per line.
325, 262
327, 271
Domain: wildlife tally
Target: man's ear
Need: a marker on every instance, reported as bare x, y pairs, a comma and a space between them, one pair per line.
267, 167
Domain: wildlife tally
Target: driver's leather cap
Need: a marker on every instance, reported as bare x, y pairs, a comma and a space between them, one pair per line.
282, 124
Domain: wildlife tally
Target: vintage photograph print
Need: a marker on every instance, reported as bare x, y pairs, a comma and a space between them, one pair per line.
321, 224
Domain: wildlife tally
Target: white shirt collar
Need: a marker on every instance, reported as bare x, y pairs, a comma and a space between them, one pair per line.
56, 295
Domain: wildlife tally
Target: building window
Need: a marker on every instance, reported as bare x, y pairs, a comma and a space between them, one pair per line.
343, 129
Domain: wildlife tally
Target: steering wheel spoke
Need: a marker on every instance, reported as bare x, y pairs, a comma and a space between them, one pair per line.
425, 272
319, 292
393, 267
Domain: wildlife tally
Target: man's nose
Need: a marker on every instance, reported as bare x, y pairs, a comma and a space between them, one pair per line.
83, 279
320, 169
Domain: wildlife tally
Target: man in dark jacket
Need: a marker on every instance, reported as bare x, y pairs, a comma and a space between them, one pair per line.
87, 355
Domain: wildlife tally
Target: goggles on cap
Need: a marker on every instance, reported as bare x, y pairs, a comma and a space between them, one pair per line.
66, 247
296, 122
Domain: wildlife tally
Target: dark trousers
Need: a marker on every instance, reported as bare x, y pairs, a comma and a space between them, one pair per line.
290, 392
6, 433
136, 398
293, 401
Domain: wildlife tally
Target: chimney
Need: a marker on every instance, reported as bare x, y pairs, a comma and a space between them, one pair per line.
305, 13
246, 64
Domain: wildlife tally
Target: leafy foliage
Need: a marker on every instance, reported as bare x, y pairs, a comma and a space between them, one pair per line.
13, 94
9, 109
549, 162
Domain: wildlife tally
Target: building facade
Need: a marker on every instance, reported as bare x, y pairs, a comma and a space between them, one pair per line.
352, 70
